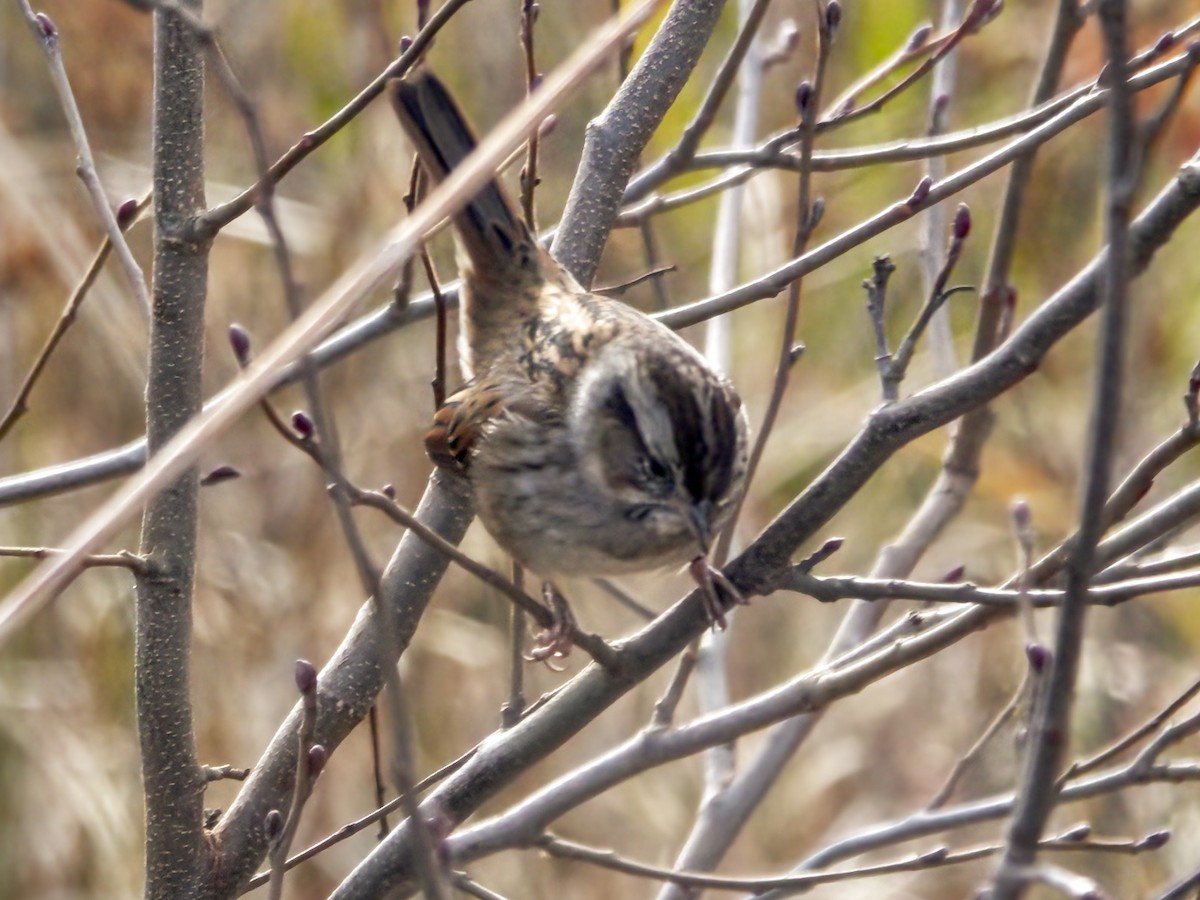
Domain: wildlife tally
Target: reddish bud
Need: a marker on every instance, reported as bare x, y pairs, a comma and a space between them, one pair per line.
239, 342
962, 222
219, 474
306, 677
405, 42
1155, 839
389, 491
1080, 832
1143, 490
1022, 514
439, 824
917, 39
126, 213
955, 575
303, 424
804, 93
920, 192
983, 12
317, 757
1038, 657
816, 213
833, 17
273, 824
1164, 43
833, 545
47, 25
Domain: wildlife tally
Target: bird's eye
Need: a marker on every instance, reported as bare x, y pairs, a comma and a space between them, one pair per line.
655, 475
639, 513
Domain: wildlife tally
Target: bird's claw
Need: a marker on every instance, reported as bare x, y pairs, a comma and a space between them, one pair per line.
710, 580
556, 641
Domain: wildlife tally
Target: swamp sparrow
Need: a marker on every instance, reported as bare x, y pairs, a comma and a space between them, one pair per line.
596, 441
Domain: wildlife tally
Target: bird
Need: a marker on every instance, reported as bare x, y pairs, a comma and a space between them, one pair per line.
596, 440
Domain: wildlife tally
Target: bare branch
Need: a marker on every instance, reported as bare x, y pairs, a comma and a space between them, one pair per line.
46, 32
1051, 719
172, 780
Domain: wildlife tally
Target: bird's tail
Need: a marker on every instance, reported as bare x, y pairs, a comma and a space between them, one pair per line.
492, 232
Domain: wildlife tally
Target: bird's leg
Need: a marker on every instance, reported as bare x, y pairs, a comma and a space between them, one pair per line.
711, 579
554, 642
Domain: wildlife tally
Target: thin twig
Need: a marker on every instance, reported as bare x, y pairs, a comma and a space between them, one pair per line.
668, 703
876, 287
224, 772
680, 156
830, 588
125, 559
309, 762
1149, 727
441, 332
978, 14
627, 600
942, 88
938, 295
468, 885
441, 307
808, 213
47, 34
772, 283
529, 172
1022, 522
774, 152
925, 823
1174, 562
592, 644
943, 793
1137, 484
219, 216
1152, 128
126, 216
654, 273
1051, 716
936, 857
352, 828
514, 707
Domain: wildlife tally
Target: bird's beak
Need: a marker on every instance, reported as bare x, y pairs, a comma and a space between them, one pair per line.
699, 516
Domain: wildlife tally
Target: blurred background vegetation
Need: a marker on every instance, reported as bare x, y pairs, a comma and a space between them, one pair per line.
276, 582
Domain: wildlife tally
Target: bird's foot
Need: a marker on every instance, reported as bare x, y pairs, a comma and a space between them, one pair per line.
554, 642
712, 582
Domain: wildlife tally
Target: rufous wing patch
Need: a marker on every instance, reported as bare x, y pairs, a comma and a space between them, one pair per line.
460, 423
